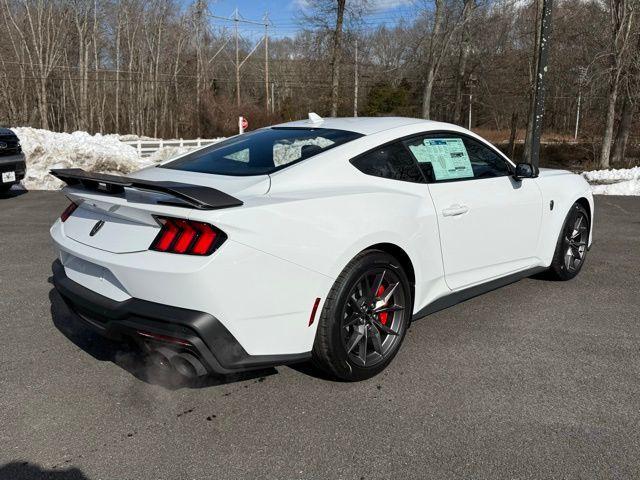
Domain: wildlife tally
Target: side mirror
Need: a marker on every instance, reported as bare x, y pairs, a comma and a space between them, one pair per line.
525, 170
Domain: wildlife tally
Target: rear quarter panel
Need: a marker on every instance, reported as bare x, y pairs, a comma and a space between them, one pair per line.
321, 225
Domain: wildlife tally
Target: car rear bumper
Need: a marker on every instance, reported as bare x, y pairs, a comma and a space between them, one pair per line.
199, 333
13, 163
262, 300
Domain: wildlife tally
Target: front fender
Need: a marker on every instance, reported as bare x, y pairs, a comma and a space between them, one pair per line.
564, 189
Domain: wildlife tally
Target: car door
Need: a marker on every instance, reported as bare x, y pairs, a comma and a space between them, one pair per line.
400, 200
489, 222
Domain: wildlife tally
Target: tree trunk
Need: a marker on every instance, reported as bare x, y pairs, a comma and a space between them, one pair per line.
426, 94
621, 21
511, 149
335, 59
438, 46
465, 47
620, 145
44, 105
526, 153
117, 105
610, 119
431, 60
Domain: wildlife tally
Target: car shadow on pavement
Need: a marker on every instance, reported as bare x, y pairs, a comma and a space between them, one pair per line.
545, 276
129, 356
20, 470
13, 193
309, 369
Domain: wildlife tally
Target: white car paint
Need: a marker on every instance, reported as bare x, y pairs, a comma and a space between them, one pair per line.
493, 231
300, 226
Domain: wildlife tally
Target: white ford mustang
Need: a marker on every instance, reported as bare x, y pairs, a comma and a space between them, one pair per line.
318, 239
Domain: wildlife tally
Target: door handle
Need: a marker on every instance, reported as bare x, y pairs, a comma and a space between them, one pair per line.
454, 210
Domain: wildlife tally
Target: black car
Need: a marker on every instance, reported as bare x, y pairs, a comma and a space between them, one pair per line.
12, 165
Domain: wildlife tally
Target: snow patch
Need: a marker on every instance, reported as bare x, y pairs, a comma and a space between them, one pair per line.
623, 181
167, 153
129, 137
45, 150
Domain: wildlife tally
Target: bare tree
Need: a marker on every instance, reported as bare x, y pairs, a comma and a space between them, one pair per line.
336, 56
82, 11
145, 67
41, 32
444, 26
464, 50
330, 17
629, 105
624, 128
621, 20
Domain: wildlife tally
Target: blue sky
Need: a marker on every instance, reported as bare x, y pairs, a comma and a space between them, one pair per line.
284, 13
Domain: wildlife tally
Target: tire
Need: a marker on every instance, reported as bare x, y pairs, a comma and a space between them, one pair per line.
572, 241
354, 316
5, 188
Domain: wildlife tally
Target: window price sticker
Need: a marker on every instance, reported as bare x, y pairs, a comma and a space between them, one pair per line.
447, 156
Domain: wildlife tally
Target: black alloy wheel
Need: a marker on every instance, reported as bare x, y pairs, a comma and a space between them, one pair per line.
364, 318
372, 316
575, 241
572, 246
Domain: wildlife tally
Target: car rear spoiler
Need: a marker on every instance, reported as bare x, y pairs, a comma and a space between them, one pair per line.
202, 198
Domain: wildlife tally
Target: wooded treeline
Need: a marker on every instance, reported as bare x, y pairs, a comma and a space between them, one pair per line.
165, 68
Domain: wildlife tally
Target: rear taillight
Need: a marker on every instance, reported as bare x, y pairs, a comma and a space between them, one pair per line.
68, 211
187, 237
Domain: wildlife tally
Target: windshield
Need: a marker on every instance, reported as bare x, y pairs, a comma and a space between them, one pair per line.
263, 151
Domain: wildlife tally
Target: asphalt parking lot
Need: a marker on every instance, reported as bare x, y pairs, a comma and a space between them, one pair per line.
538, 379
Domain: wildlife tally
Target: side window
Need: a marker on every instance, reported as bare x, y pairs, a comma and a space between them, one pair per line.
239, 156
391, 161
449, 157
485, 162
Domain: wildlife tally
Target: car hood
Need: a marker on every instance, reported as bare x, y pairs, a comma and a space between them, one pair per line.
552, 172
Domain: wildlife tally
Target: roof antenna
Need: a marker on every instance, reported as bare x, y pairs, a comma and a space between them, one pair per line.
315, 118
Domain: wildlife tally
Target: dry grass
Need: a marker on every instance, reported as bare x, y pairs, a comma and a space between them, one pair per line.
502, 136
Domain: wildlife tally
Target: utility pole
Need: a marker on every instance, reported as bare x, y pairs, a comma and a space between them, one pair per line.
235, 18
238, 64
355, 84
471, 83
575, 133
541, 76
266, 61
582, 75
273, 101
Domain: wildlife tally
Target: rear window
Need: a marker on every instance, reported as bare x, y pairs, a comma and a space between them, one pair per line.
263, 151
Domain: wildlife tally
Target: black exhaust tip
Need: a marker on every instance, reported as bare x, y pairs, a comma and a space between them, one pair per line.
188, 366
184, 363
160, 361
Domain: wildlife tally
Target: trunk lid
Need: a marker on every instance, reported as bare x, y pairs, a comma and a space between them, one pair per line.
125, 223
111, 226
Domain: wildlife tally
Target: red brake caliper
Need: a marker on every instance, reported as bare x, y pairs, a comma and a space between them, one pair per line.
382, 316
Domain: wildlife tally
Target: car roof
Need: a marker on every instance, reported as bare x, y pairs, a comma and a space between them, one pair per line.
363, 125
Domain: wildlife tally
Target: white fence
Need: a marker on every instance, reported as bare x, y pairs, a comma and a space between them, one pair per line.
146, 148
